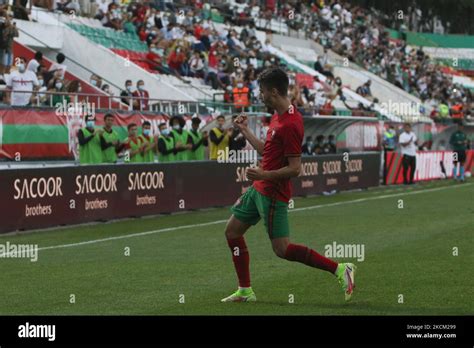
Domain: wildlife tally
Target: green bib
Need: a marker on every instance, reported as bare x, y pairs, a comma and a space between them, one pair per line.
149, 155
183, 138
90, 153
199, 153
169, 143
109, 155
134, 147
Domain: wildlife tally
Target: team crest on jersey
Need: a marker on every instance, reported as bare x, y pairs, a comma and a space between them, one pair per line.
273, 133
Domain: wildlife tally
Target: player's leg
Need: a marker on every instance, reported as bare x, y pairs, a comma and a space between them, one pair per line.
277, 225
405, 165
462, 161
244, 215
412, 168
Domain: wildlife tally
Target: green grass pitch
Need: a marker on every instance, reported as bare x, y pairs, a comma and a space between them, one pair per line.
408, 252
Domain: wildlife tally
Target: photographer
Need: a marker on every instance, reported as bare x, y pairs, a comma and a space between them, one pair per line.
8, 31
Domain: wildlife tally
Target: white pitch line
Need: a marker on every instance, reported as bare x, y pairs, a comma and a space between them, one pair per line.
223, 221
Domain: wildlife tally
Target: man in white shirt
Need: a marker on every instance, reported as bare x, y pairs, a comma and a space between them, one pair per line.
21, 80
35, 62
408, 143
60, 58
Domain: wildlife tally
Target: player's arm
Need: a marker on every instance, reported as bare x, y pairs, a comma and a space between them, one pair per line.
291, 170
241, 123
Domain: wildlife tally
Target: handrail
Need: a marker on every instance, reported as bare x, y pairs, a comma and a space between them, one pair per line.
69, 58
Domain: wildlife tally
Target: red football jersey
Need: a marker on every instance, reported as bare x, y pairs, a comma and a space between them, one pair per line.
284, 138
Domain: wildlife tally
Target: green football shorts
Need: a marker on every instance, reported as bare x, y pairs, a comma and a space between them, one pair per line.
252, 206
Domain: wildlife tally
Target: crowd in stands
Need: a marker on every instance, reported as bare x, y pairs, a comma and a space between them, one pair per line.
183, 41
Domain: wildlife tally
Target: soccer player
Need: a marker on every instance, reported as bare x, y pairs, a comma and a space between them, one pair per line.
109, 140
180, 136
134, 145
197, 140
166, 147
268, 197
149, 141
458, 141
90, 150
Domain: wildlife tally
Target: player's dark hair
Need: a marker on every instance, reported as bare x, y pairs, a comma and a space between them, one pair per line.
196, 120
274, 78
131, 125
161, 125
109, 115
146, 123
220, 116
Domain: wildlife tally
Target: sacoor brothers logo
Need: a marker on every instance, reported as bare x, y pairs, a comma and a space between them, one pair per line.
37, 188
139, 181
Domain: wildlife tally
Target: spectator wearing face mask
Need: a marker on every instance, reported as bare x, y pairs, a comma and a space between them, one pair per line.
180, 136
96, 81
90, 149
21, 84
196, 65
110, 142
57, 96
241, 96
127, 93
142, 95
176, 60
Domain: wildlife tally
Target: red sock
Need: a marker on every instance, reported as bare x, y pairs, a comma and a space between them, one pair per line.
303, 254
240, 256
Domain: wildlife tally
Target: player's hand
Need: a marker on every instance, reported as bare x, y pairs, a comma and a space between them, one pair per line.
230, 131
241, 122
256, 173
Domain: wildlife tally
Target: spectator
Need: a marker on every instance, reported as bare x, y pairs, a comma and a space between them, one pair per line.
60, 58
176, 60
57, 93
142, 95
8, 31
308, 146
127, 93
20, 11
241, 96
408, 142
96, 81
73, 88
35, 63
196, 64
21, 83
364, 90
